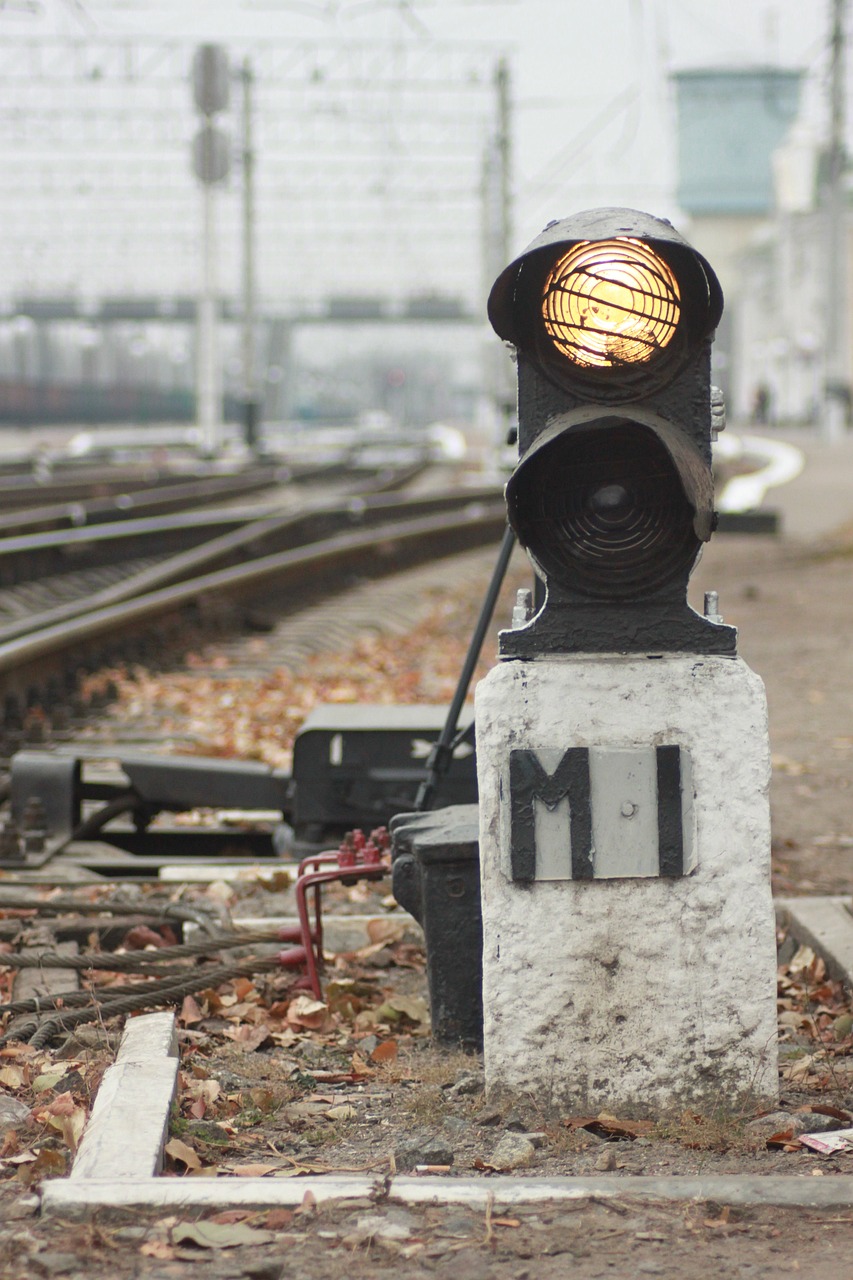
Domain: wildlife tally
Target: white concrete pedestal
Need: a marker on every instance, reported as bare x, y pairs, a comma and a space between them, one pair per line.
638, 991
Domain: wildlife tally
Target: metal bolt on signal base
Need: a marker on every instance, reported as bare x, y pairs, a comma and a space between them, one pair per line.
523, 608
712, 606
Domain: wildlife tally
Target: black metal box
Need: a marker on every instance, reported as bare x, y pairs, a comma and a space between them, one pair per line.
436, 878
356, 765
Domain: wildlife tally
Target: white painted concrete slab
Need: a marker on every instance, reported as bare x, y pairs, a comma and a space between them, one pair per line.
781, 463
127, 1128
152, 1035
79, 1199
638, 993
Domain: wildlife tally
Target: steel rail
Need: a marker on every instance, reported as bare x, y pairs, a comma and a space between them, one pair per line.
150, 501
429, 535
54, 510
33, 556
41, 479
249, 538
133, 526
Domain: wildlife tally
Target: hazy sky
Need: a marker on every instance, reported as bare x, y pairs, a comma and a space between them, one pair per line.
592, 125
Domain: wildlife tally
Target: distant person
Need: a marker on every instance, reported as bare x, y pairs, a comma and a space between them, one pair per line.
761, 405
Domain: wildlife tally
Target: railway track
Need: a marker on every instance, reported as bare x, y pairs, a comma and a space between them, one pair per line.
45, 562
272, 562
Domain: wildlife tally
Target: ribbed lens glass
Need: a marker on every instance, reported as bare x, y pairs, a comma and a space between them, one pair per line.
604, 512
609, 303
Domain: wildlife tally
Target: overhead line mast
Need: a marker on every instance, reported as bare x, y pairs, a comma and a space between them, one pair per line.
836, 390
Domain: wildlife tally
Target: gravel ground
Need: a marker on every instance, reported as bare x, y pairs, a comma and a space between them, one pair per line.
794, 612
585, 1240
792, 605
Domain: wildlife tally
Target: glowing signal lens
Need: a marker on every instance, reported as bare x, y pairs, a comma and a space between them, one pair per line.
608, 303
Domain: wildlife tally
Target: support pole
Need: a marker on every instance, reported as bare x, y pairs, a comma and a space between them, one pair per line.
250, 397
836, 390
209, 372
496, 243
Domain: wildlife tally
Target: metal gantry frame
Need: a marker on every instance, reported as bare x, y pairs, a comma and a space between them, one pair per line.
367, 177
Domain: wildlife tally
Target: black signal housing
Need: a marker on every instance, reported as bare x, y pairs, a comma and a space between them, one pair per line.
612, 314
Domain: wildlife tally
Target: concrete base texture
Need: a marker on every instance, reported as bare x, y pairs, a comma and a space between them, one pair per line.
629, 938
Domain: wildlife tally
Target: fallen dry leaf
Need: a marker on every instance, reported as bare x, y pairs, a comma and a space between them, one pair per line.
253, 1170
157, 1249
266, 1100
384, 930
62, 1105
11, 1144
64, 1115
278, 1218
307, 1012
47, 1164
142, 936
249, 1038
190, 1012
177, 1150
411, 1007
611, 1125
219, 1235
342, 1112
309, 1203
385, 1051
48, 1079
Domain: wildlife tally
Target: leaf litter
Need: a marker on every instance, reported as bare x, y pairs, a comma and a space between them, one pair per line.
245, 1100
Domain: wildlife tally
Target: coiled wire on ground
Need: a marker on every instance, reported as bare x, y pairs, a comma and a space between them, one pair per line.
104, 1004
147, 961
59, 1013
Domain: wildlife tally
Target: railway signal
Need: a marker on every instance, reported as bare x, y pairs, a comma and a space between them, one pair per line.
623, 758
612, 314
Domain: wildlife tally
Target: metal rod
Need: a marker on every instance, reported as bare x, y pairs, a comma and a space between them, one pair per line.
442, 753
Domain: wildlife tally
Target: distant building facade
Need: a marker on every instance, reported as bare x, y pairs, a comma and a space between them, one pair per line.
731, 123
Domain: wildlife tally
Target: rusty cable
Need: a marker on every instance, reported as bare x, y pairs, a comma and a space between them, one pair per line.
146, 961
54, 1000
166, 912
167, 993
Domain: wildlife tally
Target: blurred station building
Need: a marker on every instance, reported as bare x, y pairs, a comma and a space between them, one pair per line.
753, 179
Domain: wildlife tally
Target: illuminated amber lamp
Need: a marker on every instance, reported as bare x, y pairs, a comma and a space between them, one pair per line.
611, 303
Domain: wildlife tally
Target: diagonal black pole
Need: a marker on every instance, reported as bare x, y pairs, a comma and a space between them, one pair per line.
441, 754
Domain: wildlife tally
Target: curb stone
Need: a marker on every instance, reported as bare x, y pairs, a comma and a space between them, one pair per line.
121, 1151
824, 924
70, 1199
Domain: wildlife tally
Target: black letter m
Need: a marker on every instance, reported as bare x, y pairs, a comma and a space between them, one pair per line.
529, 782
